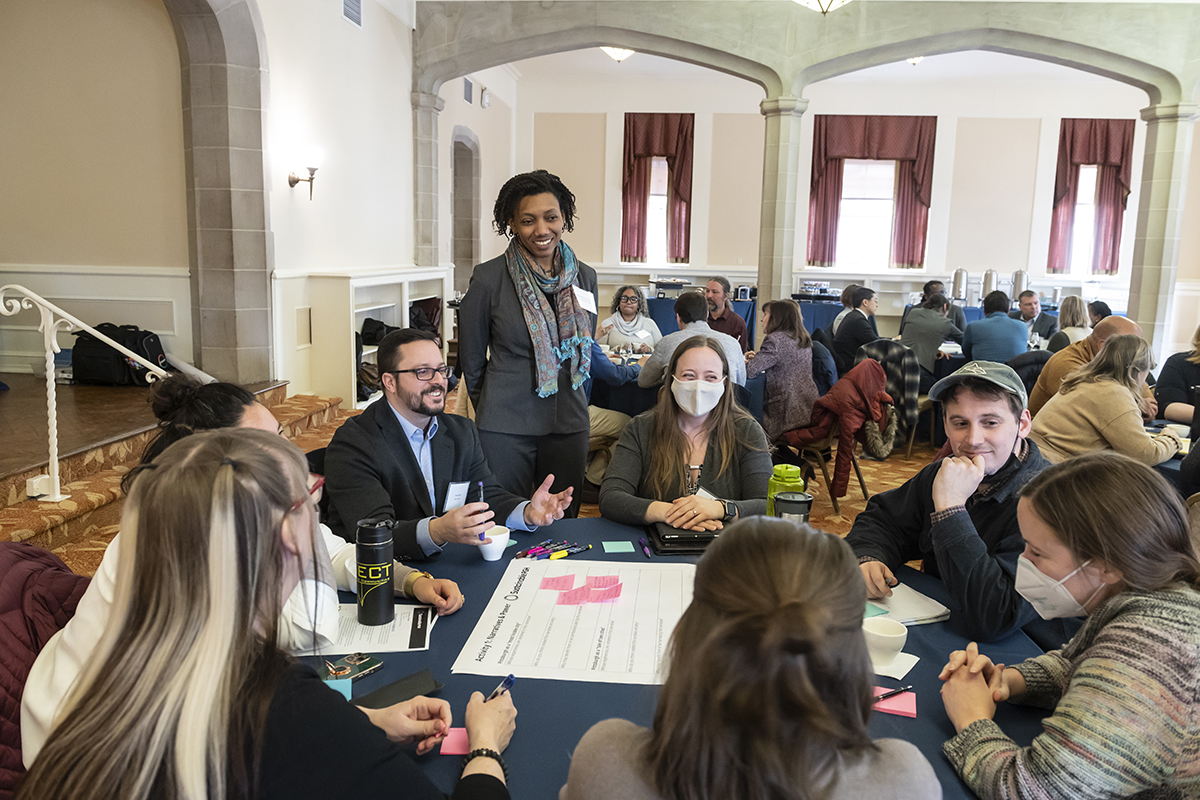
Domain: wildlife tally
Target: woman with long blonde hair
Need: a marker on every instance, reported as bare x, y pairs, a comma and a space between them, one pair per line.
1100, 407
188, 695
697, 460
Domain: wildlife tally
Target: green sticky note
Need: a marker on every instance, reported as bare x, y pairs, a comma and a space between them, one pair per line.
511, 543
873, 610
618, 547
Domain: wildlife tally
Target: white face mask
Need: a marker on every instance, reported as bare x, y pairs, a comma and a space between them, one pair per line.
1050, 598
697, 397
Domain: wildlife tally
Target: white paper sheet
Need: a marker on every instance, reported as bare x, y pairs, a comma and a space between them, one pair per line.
909, 607
409, 631
898, 668
526, 631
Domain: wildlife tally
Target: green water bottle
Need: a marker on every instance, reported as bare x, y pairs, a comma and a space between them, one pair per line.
785, 478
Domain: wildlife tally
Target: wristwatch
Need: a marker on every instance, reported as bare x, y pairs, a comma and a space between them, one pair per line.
731, 511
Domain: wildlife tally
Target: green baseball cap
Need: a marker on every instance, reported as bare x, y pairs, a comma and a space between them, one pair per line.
1001, 375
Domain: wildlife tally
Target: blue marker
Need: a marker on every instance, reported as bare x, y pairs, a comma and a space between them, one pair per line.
504, 686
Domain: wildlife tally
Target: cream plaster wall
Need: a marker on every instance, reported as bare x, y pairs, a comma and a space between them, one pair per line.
735, 196
91, 135
992, 193
572, 146
347, 91
493, 127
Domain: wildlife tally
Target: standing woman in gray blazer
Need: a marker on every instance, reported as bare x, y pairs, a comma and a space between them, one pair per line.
525, 335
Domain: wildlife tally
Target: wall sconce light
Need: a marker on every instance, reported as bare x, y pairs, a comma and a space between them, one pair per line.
617, 54
915, 60
312, 159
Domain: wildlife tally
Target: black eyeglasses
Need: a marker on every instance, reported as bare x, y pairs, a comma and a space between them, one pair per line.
424, 373
628, 299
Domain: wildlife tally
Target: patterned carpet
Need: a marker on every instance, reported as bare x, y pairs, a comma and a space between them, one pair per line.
83, 556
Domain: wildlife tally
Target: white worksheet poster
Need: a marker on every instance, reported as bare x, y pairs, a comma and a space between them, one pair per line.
579, 620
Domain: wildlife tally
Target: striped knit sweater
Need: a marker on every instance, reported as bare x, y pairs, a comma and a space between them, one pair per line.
1126, 698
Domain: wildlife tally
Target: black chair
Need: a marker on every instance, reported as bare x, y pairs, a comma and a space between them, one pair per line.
1028, 367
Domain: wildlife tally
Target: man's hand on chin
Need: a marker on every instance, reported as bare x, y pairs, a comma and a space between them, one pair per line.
956, 481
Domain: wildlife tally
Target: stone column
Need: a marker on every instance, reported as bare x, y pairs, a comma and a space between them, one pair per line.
425, 177
1156, 246
777, 232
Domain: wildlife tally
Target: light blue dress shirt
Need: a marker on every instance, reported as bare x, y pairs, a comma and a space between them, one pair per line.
420, 442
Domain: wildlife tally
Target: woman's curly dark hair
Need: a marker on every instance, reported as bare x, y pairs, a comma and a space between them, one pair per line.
518, 187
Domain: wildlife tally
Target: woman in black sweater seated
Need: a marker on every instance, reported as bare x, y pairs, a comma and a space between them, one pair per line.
188, 695
1173, 391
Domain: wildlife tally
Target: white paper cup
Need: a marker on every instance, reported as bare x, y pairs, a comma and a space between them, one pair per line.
493, 551
1182, 431
885, 639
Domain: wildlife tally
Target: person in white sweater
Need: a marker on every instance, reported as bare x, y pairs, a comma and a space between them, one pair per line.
310, 614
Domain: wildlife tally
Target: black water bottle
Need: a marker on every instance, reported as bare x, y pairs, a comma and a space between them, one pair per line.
376, 595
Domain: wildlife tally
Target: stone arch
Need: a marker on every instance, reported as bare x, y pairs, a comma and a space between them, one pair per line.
429, 75
1160, 85
223, 63
465, 170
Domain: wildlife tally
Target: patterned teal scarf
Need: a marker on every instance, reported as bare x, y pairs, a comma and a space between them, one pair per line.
553, 346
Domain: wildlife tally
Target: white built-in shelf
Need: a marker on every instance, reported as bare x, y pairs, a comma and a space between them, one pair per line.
372, 307
370, 351
364, 403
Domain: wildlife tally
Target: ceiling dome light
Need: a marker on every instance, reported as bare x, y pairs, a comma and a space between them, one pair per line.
915, 60
824, 6
617, 54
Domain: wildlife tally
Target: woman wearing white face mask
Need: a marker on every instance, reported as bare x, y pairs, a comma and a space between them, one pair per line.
1107, 537
696, 460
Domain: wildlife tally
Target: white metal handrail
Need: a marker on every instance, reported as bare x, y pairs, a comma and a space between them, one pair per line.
50, 326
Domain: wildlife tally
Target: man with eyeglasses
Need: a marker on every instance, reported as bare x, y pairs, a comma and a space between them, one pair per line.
406, 459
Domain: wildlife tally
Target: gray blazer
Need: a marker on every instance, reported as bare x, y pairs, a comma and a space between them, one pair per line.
1044, 325
500, 382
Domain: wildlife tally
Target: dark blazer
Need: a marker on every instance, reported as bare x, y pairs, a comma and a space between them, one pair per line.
501, 384
370, 471
1045, 325
853, 333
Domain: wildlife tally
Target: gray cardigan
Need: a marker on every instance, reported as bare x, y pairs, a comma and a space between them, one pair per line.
625, 495
924, 331
609, 761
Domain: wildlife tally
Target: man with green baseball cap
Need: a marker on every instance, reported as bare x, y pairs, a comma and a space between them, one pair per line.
959, 514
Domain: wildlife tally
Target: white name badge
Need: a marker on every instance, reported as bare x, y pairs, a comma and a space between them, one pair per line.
586, 299
643, 334
705, 494
456, 496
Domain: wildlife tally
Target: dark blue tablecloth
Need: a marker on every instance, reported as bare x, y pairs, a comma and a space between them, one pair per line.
554, 715
662, 311
1169, 469
819, 315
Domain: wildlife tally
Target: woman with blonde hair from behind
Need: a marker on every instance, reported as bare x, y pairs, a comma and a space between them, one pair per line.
769, 688
1073, 323
188, 695
1100, 407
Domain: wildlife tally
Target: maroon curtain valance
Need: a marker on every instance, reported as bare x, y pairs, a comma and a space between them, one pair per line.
648, 136
1107, 143
907, 140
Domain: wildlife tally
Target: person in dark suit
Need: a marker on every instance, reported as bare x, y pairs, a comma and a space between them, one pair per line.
855, 330
524, 341
404, 457
1044, 325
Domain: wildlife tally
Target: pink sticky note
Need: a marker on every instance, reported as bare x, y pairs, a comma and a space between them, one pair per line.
902, 705
559, 584
573, 597
600, 581
605, 594
456, 743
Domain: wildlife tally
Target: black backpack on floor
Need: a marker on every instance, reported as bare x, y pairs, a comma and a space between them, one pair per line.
94, 362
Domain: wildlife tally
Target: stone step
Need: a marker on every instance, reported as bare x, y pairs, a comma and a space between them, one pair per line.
94, 507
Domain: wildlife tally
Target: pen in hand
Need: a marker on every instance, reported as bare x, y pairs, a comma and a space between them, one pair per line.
504, 686
482, 536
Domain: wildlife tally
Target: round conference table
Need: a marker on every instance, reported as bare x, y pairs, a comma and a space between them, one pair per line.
554, 714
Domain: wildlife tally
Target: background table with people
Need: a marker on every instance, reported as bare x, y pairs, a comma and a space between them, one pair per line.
662, 311
554, 715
